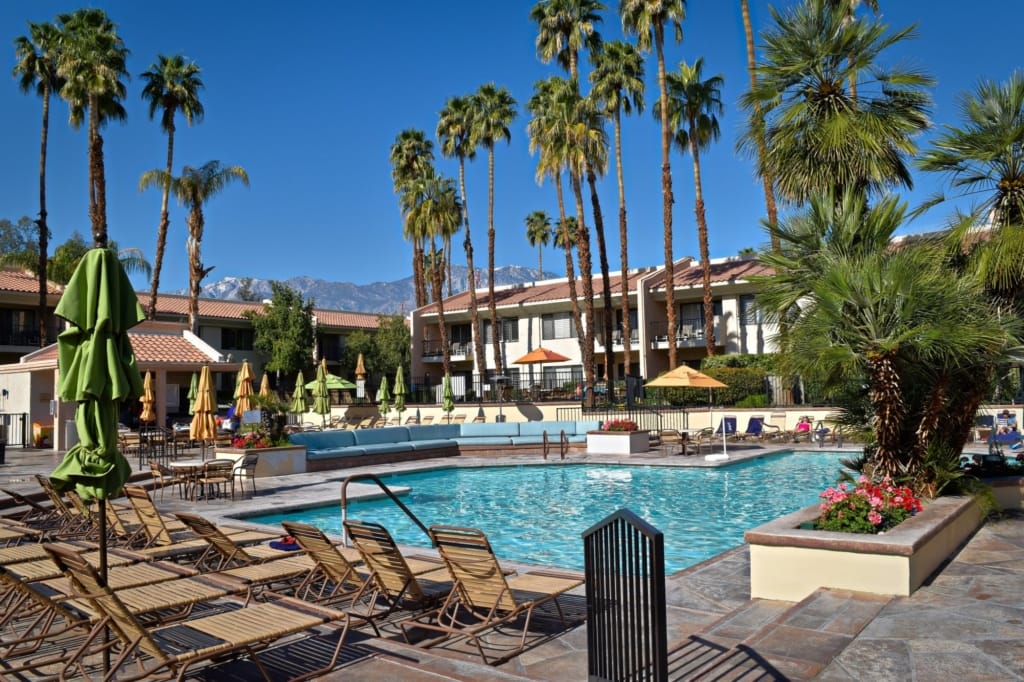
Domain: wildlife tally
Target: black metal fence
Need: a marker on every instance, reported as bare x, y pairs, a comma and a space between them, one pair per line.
14, 429
624, 564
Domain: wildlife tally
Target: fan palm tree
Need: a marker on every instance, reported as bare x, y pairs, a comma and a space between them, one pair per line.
538, 233
617, 84
193, 189
92, 62
647, 20
564, 27
848, 8
454, 132
172, 85
411, 154
819, 138
494, 110
694, 107
36, 70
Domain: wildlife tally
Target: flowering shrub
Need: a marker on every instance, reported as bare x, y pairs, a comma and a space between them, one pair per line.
251, 440
867, 508
620, 425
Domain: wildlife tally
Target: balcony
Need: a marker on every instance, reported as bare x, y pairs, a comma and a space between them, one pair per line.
634, 339
689, 333
458, 350
26, 336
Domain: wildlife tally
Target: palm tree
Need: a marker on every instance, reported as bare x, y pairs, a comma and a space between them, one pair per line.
411, 154
757, 123
172, 85
617, 84
494, 110
564, 27
538, 233
92, 63
848, 8
454, 132
37, 55
647, 19
819, 138
694, 106
193, 189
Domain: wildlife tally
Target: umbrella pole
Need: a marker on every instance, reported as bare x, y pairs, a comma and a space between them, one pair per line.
103, 576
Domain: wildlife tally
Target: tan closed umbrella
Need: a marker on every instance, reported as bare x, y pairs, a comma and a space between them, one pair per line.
148, 400
265, 387
243, 395
204, 426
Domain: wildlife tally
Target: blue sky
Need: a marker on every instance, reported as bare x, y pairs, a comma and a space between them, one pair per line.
308, 97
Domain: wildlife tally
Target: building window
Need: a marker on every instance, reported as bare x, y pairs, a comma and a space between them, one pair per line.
749, 314
236, 339
509, 327
557, 326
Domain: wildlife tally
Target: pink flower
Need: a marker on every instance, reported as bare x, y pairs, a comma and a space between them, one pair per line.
875, 518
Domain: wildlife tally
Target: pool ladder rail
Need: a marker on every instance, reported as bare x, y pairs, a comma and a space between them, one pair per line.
563, 445
387, 491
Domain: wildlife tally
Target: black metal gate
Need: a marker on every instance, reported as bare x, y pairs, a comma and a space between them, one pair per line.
625, 572
15, 428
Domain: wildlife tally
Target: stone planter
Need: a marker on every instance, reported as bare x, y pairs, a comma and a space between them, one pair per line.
289, 459
617, 442
789, 563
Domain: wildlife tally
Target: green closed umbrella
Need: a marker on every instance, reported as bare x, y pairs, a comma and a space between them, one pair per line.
321, 394
300, 402
400, 392
193, 393
447, 397
384, 396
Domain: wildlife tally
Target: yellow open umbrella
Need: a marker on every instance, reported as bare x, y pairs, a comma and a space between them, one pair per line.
243, 390
204, 426
147, 400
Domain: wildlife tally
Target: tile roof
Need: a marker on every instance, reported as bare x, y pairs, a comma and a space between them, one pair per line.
150, 349
25, 282
213, 308
722, 272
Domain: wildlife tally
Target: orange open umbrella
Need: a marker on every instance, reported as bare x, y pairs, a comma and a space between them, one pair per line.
685, 377
539, 356
147, 400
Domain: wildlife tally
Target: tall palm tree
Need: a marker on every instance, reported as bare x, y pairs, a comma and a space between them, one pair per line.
617, 84
819, 138
564, 27
172, 85
494, 111
193, 189
92, 62
538, 233
454, 132
694, 107
757, 124
37, 55
848, 8
411, 154
647, 19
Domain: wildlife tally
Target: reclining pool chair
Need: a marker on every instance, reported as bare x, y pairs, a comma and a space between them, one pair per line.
484, 598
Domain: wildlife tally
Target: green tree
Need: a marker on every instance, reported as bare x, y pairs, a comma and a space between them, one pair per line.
694, 107
67, 256
92, 63
819, 137
494, 110
17, 243
36, 70
245, 291
647, 19
455, 134
564, 27
193, 189
172, 85
392, 343
617, 84
411, 155
538, 233
283, 331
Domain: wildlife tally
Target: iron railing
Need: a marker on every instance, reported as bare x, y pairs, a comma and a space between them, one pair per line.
15, 428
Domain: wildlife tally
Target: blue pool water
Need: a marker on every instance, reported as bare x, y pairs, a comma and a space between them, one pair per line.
536, 514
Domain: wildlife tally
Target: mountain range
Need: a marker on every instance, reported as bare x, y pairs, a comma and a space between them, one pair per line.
396, 297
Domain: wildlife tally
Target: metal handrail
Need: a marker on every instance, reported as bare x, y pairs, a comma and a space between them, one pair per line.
387, 491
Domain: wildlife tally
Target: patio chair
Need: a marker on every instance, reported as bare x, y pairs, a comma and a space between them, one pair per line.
755, 428
245, 470
402, 583
429, 419
222, 551
214, 479
460, 418
34, 514
484, 598
71, 521
334, 577
172, 649
776, 428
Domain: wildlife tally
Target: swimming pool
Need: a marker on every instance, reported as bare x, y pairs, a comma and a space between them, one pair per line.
536, 513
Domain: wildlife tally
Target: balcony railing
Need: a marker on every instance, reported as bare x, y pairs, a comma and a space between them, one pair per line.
26, 335
458, 349
634, 338
689, 332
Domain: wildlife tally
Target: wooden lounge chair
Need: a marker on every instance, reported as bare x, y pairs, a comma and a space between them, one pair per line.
169, 651
429, 419
334, 577
33, 513
401, 583
460, 418
222, 551
483, 597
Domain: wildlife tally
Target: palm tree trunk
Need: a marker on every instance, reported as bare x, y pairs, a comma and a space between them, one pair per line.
195, 265
623, 247
570, 270
705, 255
44, 231
419, 274
438, 283
492, 305
161, 231
762, 150
606, 286
478, 340
587, 277
887, 404
540, 260
99, 233
666, 199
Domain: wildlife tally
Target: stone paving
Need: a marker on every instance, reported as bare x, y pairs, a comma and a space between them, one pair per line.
966, 623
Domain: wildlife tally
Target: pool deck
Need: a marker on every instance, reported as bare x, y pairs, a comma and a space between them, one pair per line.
965, 623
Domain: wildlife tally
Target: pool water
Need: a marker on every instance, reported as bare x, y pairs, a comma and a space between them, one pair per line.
537, 513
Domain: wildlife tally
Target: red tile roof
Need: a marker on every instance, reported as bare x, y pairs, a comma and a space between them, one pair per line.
218, 309
150, 349
692, 275
25, 282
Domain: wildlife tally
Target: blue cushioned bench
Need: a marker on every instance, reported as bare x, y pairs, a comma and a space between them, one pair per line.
330, 449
